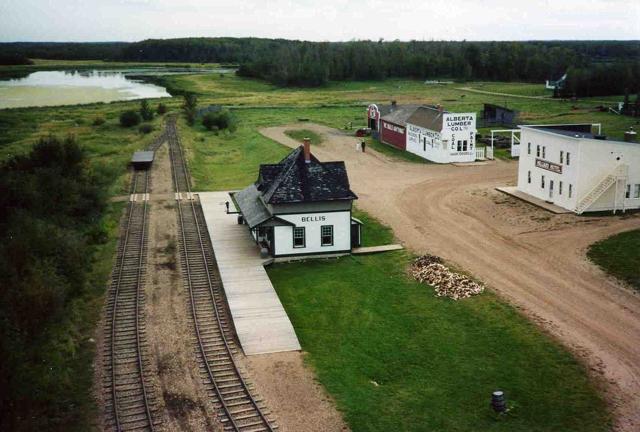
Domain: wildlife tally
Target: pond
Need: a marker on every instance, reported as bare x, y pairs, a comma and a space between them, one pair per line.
70, 87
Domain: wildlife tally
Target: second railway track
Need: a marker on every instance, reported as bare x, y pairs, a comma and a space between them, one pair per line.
238, 407
130, 404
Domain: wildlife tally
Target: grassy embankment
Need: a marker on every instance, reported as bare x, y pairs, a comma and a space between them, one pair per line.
64, 369
619, 256
395, 357
300, 134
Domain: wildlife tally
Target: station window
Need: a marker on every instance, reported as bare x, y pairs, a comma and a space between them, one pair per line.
299, 237
560, 188
568, 158
542, 182
459, 145
528, 148
464, 145
561, 156
538, 150
528, 176
636, 191
570, 188
326, 235
424, 144
544, 152
627, 193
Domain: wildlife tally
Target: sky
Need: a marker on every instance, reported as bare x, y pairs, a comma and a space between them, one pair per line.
328, 20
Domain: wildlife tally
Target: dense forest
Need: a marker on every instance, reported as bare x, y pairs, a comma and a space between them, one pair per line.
298, 63
49, 223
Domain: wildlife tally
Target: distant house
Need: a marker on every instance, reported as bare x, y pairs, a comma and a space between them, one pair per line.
498, 115
440, 136
393, 126
426, 131
374, 114
301, 207
557, 84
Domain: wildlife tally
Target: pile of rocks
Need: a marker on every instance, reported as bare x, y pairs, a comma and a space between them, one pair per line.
429, 269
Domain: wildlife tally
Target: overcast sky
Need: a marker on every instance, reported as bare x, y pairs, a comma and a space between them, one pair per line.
332, 20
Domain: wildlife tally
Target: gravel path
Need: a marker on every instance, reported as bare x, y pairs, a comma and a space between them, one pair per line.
532, 258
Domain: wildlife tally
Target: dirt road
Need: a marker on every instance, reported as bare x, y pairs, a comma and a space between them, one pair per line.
531, 257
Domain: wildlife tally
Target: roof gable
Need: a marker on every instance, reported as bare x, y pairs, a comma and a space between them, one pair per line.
294, 180
400, 115
428, 117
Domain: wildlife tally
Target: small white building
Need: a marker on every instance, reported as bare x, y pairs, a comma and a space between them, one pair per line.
301, 207
570, 167
441, 136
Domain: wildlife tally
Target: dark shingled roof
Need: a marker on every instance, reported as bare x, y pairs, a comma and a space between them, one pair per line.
385, 109
427, 117
400, 115
292, 180
253, 209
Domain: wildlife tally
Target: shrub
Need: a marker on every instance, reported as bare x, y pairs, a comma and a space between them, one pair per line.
52, 201
145, 111
220, 120
98, 121
129, 118
162, 109
189, 107
145, 128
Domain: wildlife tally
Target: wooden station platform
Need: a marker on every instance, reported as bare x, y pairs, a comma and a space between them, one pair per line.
260, 320
514, 192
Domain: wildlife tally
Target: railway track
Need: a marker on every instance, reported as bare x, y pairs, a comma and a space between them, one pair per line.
238, 407
129, 400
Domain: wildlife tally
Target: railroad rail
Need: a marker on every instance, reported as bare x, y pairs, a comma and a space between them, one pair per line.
238, 408
129, 402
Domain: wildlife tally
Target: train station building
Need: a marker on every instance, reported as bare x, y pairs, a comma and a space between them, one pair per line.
301, 207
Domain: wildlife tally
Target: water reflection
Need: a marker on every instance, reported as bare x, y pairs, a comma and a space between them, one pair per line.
46, 88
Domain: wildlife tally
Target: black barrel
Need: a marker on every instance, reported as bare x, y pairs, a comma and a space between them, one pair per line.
498, 402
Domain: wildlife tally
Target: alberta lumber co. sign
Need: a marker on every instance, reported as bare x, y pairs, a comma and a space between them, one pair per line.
549, 166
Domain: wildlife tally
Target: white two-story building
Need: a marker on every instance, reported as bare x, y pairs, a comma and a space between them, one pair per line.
441, 136
301, 207
570, 167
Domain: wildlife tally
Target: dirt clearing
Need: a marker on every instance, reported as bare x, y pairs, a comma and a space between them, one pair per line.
290, 390
531, 257
169, 329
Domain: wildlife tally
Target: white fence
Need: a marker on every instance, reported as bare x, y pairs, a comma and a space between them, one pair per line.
484, 153
515, 150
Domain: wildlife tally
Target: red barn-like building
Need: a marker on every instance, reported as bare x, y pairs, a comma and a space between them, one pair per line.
393, 126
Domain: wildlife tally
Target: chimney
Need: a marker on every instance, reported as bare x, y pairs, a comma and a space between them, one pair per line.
394, 105
630, 135
307, 150
440, 109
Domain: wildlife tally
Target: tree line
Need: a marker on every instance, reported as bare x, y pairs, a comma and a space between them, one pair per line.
299, 63
50, 220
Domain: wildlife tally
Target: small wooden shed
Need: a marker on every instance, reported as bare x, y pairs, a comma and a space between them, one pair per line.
142, 160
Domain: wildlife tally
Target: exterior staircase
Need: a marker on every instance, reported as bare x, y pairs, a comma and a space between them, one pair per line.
619, 173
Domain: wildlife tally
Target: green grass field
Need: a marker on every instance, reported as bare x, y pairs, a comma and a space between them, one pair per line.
395, 357
619, 256
300, 134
